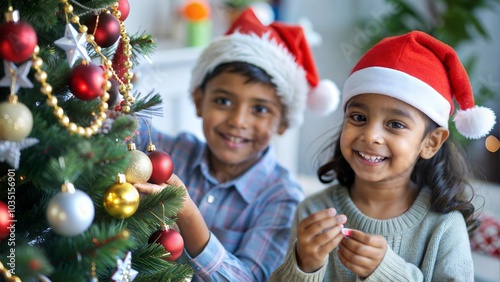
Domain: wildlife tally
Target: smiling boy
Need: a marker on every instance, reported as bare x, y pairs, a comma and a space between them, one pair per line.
248, 86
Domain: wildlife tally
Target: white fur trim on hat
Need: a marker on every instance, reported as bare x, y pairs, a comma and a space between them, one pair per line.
399, 85
274, 59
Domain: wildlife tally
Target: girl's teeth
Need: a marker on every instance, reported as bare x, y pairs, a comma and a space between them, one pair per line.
371, 158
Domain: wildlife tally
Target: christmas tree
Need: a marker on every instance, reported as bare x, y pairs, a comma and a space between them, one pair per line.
68, 122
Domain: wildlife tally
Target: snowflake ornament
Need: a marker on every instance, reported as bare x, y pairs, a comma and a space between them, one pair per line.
124, 271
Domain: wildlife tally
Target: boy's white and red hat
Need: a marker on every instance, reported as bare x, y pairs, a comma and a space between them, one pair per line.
425, 73
282, 51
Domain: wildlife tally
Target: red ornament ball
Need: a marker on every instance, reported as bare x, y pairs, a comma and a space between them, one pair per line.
105, 27
17, 41
163, 166
171, 240
86, 81
124, 8
4, 221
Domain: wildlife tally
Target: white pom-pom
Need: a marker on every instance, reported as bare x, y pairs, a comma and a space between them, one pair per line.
324, 98
264, 12
474, 123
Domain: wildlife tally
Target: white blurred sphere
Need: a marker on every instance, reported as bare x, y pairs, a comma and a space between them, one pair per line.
70, 214
264, 12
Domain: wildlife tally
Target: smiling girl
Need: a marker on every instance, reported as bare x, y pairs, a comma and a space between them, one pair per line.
400, 210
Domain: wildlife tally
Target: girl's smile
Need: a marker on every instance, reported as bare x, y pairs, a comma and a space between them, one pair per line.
382, 138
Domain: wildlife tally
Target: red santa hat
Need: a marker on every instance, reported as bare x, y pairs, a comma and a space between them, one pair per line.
425, 73
282, 51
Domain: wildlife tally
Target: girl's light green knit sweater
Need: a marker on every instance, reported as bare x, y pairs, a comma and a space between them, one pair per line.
422, 245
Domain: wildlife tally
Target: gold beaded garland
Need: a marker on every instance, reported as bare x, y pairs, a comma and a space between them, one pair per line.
52, 101
7, 275
125, 86
127, 51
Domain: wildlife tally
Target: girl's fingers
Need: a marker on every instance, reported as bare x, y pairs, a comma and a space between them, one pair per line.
352, 263
366, 244
313, 248
354, 257
329, 240
321, 221
361, 252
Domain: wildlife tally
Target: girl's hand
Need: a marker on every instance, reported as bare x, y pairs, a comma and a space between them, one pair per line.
317, 235
361, 252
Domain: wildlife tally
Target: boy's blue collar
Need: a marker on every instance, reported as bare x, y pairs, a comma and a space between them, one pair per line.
248, 184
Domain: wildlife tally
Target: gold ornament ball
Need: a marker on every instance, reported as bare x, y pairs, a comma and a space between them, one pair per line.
121, 200
16, 121
139, 169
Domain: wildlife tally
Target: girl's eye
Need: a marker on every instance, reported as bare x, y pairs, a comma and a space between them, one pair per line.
222, 101
261, 109
358, 117
395, 124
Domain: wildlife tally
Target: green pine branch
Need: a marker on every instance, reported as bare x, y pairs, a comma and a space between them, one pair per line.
91, 164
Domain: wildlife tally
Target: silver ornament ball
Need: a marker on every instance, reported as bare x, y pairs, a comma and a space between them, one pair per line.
70, 214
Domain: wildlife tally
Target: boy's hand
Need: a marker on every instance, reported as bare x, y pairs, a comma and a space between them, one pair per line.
149, 188
317, 235
361, 252
174, 180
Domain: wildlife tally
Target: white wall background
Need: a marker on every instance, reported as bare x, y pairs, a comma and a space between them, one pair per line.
336, 22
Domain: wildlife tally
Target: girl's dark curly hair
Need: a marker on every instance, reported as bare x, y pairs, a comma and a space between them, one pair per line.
447, 174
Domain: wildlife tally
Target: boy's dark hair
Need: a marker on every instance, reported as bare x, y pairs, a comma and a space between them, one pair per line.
253, 74
447, 174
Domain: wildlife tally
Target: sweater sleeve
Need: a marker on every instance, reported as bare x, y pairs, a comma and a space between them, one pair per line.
453, 256
290, 271
393, 266
447, 257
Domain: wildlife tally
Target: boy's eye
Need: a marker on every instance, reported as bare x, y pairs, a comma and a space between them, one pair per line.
396, 124
222, 101
261, 109
358, 117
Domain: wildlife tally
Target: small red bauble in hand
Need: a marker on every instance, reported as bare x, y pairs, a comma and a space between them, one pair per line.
86, 81
170, 239
163, 166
